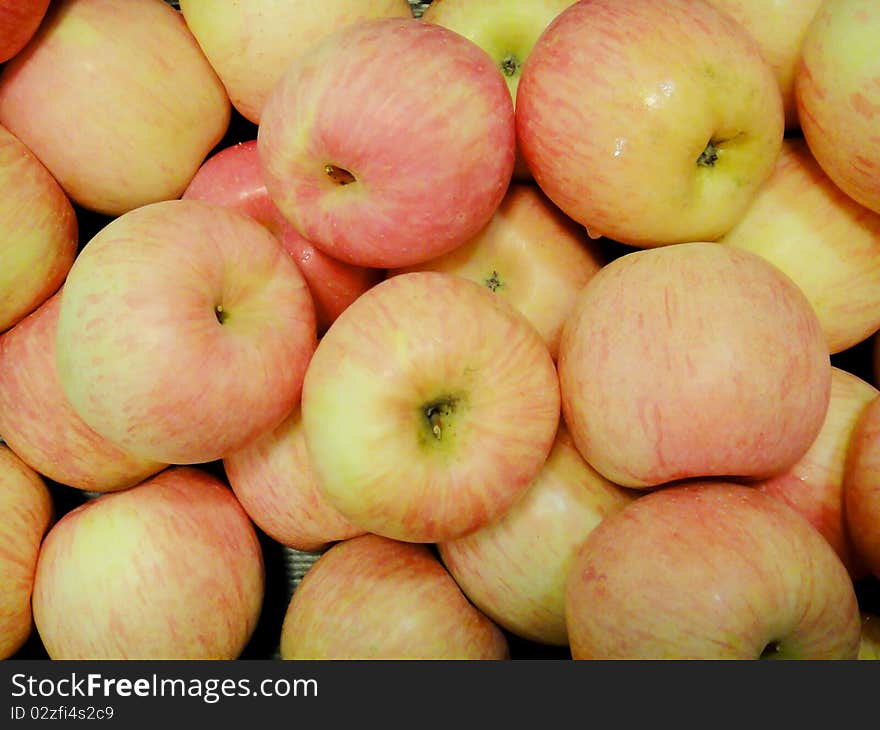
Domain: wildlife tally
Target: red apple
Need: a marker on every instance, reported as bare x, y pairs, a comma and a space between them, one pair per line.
861, 487
429, 406
184, 332
692, 360
250, 43
169, 569
372, 164
232, 177
121, 116
827, 243
274, 481
515, 568
530, 253
709, 571
649, 122
837, 88
814, 485
19, 20
38, 232
371, 597
40, 425
26, 511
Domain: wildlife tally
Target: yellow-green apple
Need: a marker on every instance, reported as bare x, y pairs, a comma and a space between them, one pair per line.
249, 44
184, 332
153, 111
369, 162
532, 254
371, 597
649, 122
514, 569
826, 242
692, 360
814, 485
837, 89
861, 487
506, 30
274, 482
169, 569
19, 20
26, 512
709, 570
429, 406
869, 648
41, 426
232, 177
779, 27
38, 231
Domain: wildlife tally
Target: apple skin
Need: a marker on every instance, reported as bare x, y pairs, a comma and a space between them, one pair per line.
709, 570
506, 30
250, 43
532, 254
26, 512
692, 360
232, 177
274, 482
38, 232
142, 354
837, 88
814, 485
169, 569
514, 569
19, 20
371, 597
618, 105
779, 28
861, 487
41, 426
374, 166
429, 406
153, 111
827, 243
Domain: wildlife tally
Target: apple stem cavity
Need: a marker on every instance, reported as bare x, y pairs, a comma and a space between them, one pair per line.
708, 156
339, 175
435, 412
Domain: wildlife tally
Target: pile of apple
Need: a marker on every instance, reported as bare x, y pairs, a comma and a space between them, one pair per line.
527, 318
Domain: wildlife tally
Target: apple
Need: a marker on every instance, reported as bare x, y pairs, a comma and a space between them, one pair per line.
26, 511
838, 95
371, 597
514, 569
121, 117
38, 231
169, 569
709, 570
814, 485
372, 164
506, 30
532, 254
19, 20
779, 28
429, 406
184, 332
250, 43
692, 360
861, 487
41, 426
649, 122
232, 177
826, 242
869, 647
274, 482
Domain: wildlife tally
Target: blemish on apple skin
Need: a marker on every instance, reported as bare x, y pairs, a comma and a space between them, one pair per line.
863, 106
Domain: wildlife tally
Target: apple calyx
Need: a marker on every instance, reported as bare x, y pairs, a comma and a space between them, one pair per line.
771, 651
339, 175
493, 281
436, 411
709, 156
221, 314
510, 65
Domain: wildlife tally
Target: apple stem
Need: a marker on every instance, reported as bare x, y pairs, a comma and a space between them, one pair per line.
339, 175
221, 314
